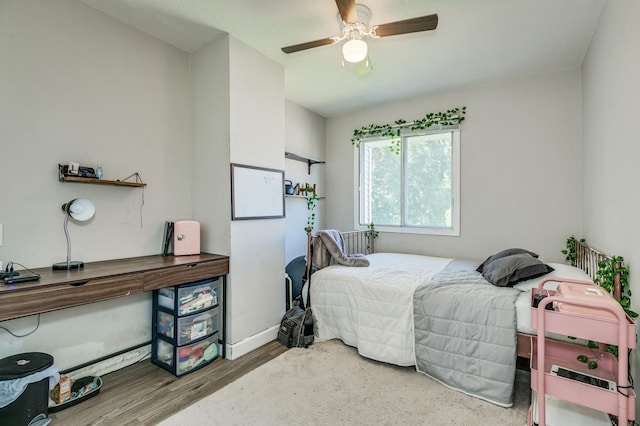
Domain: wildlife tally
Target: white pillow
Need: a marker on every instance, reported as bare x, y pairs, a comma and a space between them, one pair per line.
561, 270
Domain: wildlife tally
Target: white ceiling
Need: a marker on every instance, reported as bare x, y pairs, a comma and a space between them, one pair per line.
477, 42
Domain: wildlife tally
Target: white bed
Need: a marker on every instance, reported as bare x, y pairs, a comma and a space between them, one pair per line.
458, 323
371, 308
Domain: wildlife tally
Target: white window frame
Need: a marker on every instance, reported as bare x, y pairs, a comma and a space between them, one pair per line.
454, 230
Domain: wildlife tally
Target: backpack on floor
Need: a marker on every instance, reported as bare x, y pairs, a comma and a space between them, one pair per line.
296, 328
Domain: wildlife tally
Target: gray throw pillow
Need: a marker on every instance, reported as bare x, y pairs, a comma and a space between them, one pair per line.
510, 270
504, 253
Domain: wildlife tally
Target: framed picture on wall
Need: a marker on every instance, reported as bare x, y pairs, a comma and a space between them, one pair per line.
256, 192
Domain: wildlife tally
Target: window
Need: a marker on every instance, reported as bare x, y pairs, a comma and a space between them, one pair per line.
416, 190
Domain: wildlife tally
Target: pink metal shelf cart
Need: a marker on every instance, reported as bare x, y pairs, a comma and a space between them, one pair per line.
588, 318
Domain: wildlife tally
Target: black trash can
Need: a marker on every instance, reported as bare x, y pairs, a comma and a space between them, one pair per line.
15, 372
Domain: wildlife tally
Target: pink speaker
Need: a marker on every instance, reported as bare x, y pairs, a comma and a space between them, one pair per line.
186, 237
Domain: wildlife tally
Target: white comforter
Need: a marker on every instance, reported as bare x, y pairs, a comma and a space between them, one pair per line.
371, 308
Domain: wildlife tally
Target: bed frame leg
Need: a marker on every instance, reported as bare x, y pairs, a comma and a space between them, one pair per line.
308, 259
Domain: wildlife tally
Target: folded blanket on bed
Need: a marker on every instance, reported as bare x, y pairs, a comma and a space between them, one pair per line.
465, 334
328, 245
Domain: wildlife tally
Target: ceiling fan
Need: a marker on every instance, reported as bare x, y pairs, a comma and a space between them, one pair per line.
354, 22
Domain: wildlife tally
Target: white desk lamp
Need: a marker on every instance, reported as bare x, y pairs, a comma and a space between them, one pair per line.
80, 210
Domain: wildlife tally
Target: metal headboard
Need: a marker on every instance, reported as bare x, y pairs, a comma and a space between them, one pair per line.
587, 259
361, 241
358, 241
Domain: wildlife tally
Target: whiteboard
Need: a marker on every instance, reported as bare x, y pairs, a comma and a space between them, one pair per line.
256, 192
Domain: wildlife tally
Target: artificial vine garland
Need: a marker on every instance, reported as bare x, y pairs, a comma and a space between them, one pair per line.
450, 117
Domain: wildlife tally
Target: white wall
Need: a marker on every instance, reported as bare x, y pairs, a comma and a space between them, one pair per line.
610, 91
238, 118
78, 85
520, 164
257, 136
305, 135
210, 179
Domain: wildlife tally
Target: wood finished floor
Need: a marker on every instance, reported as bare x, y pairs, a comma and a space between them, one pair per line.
144, 394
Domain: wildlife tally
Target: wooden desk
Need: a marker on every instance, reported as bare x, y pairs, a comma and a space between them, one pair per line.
104, 280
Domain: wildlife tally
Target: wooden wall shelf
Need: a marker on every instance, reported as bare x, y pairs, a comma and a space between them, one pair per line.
101, 181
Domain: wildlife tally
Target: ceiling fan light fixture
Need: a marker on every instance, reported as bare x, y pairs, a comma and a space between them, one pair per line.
354, 51
364, 67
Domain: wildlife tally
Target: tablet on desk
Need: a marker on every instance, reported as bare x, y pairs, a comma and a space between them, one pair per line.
21, 277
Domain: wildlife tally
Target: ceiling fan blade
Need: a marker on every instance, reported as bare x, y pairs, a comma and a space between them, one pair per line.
413, 25
308, 45
347, 9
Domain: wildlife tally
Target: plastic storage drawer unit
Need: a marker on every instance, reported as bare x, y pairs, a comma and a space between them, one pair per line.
184, 330
180, 360
190, 298
188, 325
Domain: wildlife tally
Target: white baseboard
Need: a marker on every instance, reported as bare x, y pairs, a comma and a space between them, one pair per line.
112, 364
245, 346
126, 359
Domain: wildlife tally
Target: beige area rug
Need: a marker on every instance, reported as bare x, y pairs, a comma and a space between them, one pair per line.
330, 384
